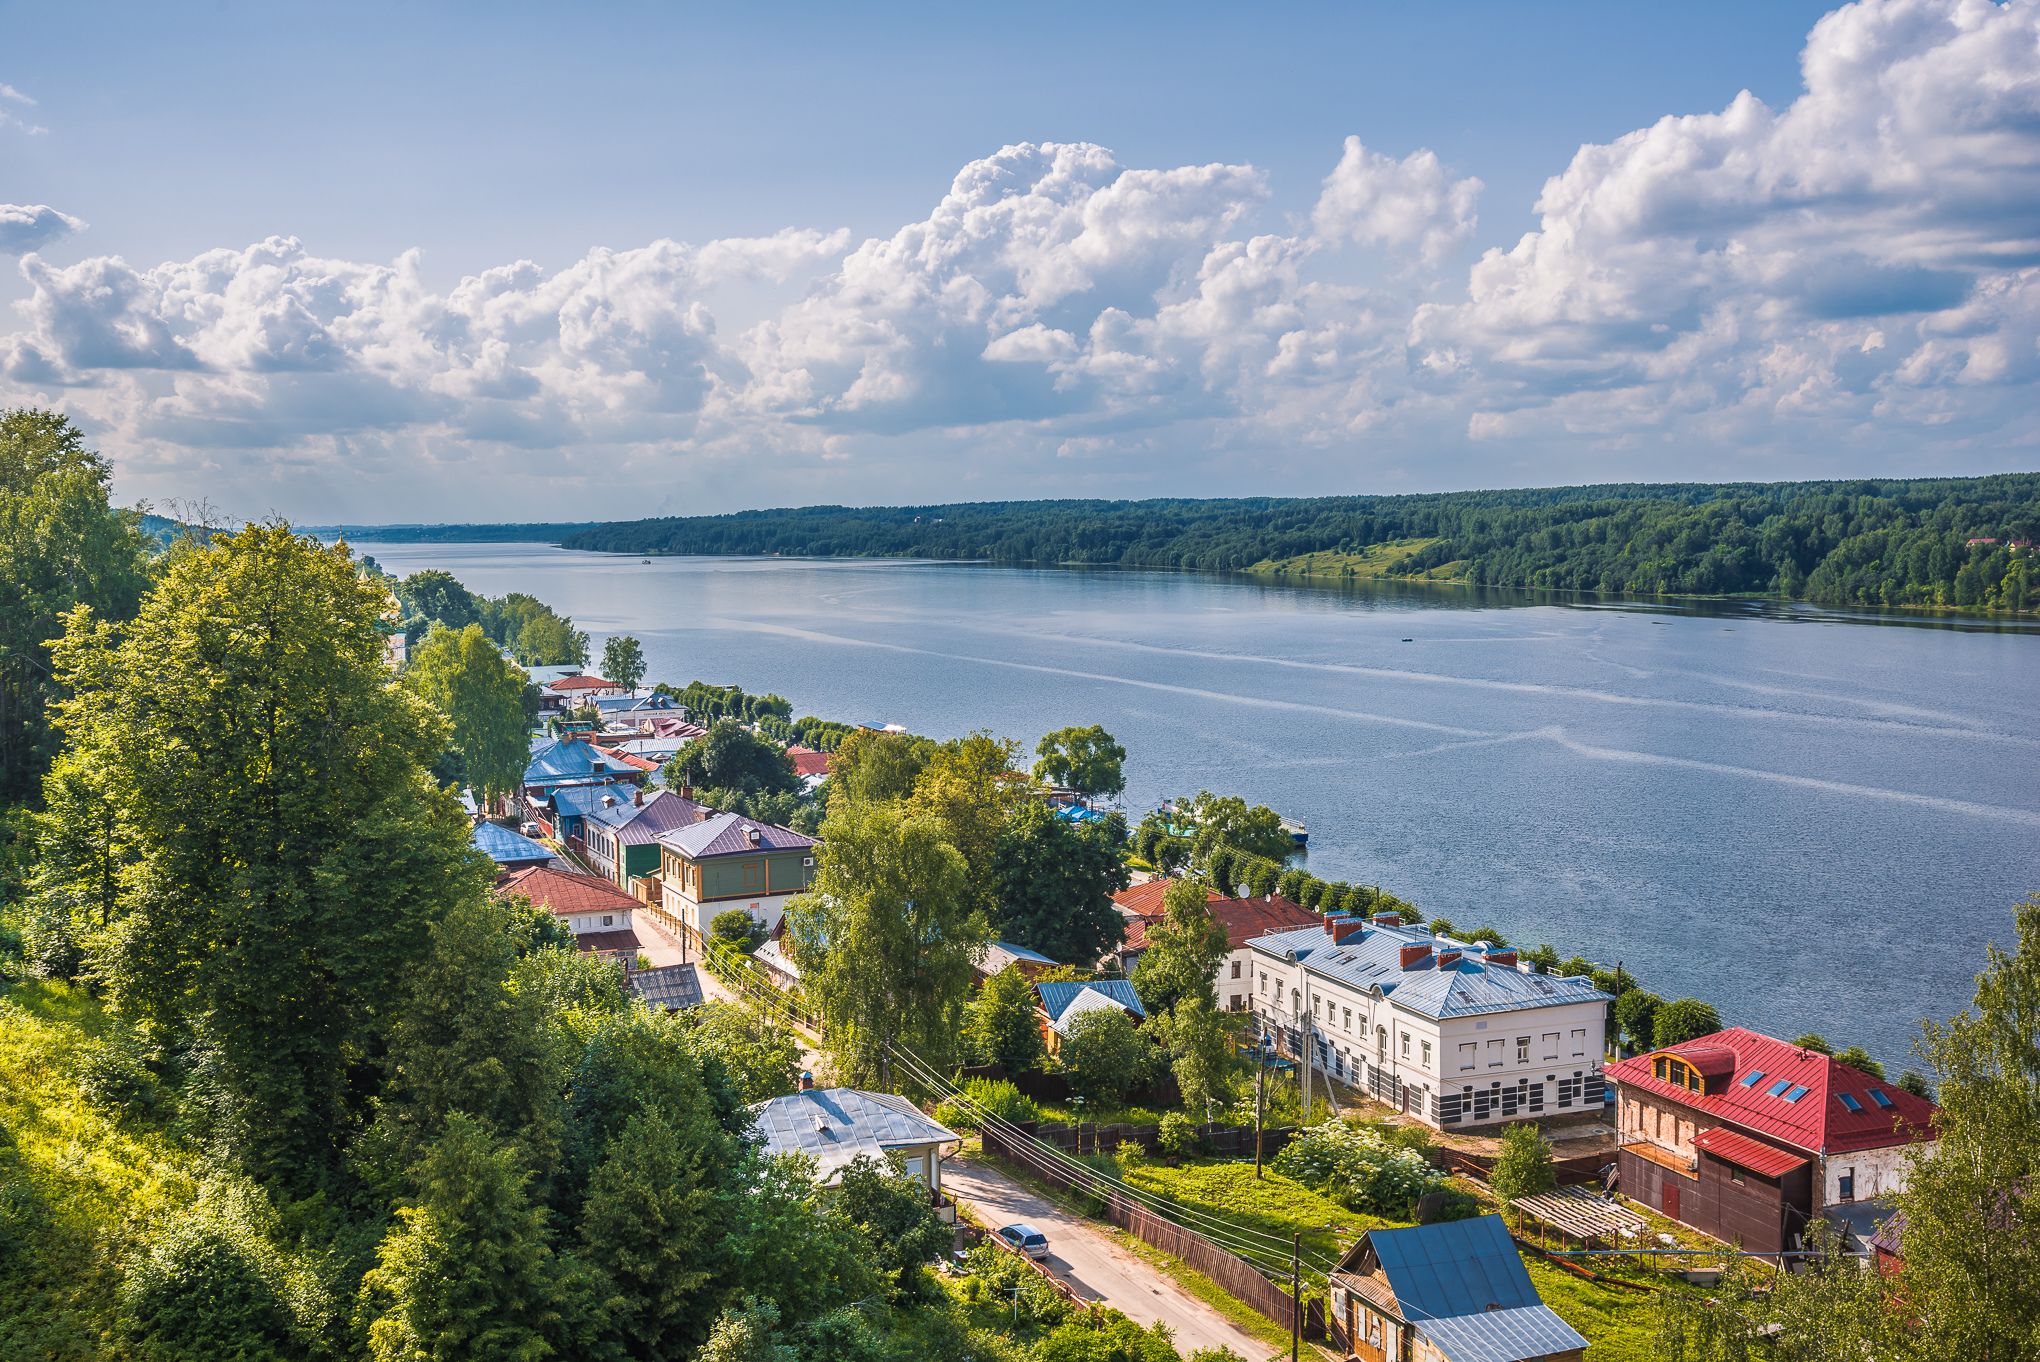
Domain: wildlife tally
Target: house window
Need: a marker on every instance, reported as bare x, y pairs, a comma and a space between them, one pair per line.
1239, 1004
1427, 1054
1848, 1185
1235, 969
608, 921
1494, 1053
1657, 1068
1551, 1045
1296, 1002
1349, 1019
1381, 1042
1735, 1176
1579, 1042
1469, 1055
1317, 1007
1405, 1045
751, 875
1264, 981
1522, 1049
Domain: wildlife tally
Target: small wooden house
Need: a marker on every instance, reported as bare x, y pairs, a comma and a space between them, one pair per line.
1452, 1292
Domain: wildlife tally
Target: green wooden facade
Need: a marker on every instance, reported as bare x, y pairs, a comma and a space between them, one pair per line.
736, 874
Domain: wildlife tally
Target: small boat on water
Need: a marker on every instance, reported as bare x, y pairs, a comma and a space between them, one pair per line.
646, 561
1298, 833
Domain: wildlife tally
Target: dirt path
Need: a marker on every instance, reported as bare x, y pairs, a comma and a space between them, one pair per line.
1094, 1265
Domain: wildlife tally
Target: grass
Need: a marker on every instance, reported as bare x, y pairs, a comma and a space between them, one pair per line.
1273, 1205
1618, 1323
1376, 560
78, 1189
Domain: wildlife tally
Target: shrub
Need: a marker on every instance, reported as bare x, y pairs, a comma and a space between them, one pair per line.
49, 946
1131, 1154
1357, 1168
1439, 1207
1442, 926
1523, 1168
1491, 937
112, 1075
1218, 1354
994, 1097
1104, 1055
733, 925
1178, 1136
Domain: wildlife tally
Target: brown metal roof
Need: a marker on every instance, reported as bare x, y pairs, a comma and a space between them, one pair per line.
1768, 1160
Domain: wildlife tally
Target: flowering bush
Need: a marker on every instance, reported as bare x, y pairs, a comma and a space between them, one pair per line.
1355, 1167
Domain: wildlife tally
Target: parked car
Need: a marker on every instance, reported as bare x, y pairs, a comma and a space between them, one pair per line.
1025, 1239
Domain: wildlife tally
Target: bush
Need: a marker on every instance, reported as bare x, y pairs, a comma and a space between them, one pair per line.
995, 1097
1178, 1136
999, 1271
1524, 1166
1357, 1168
1218, 1354
1439, 1207
1105, 1055
733, 925
49, 946
112, 1075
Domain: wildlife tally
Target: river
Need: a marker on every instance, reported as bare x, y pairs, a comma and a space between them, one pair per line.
1813, 819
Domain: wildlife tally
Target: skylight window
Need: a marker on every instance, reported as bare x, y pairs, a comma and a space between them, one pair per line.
1795, 1094
1849, 1101
1754, 1079
1779, 1086
1877, 1096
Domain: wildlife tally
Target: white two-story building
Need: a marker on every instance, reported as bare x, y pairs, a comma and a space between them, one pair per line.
1450, 1032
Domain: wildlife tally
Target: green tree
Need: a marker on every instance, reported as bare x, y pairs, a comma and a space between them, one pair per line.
892, 1213
1199, 1037
464, 676
887, 941
466, 1272
972, 790
1105, 1056
636, 1061
1971, 1272
1636, 1017
548, 640
467, 1042
623, 661
651, 1225
435, 597
1815, 1041
760, 1058
287, 851
791, 1242
1687, 1019
1002, 1028
1523, 1167
1085, 759
1225, 820
875, 768
1053, 881
747, 1334
1108, 1336
731, 757
1856, 1057
1183, 952
62, 545
1915, 1082
212, 1285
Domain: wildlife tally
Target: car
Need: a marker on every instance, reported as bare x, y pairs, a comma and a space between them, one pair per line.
1023, 1238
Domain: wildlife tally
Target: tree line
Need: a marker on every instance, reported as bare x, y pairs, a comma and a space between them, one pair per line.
1871, 541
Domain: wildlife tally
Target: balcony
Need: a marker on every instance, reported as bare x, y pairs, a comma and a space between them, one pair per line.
1664, 1158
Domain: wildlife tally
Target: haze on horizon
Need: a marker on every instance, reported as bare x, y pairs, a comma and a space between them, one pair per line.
446, 264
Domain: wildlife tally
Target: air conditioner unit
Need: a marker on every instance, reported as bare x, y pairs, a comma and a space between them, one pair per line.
807, 861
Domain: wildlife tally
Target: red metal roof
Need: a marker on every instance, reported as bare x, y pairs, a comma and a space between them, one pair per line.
1243, 919
1818, 1122
584, 683
807, 761
567, 893
1768, 1160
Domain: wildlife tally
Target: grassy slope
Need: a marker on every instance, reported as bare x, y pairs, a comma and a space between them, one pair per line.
1376, 560
77, 1189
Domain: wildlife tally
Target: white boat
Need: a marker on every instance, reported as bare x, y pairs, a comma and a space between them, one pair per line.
1298, 833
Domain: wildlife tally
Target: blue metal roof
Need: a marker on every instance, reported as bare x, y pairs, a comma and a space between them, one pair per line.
1460, 1267
501, 844
1466, 988
1502, 1335
1056, 997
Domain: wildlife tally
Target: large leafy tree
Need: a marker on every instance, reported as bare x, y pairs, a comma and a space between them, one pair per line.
891, 1211
623, 661
887, 941
62, 545
286, 852
1684, 1020
1053, 881
971, 788
1003, 1029
1227, 821
1086, 759
871, 768
1199, 1037
1183, 952
465, 676
1105, 1056
434, 597
732, 757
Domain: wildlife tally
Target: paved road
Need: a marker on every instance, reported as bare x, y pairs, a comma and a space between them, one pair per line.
1097, 1267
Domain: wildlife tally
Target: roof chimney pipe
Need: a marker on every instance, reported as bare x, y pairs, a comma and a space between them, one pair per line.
1388, 919
1415, 954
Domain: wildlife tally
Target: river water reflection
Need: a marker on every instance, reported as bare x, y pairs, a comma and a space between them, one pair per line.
1813, 819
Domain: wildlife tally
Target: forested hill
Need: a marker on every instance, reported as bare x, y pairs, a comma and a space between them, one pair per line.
451, 534
1891, 541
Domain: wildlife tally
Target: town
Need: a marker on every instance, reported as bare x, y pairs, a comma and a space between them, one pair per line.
386, 975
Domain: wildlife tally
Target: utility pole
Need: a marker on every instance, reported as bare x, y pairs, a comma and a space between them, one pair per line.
1260, 1092
1295, 1295
1308, 1034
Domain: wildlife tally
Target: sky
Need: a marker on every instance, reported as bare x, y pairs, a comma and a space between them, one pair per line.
382, 263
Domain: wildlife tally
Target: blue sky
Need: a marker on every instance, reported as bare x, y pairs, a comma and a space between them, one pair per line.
1160, 267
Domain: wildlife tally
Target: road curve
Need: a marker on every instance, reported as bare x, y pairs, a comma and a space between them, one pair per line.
1092, 1263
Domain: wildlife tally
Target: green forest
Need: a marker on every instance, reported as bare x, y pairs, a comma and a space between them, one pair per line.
1876, 542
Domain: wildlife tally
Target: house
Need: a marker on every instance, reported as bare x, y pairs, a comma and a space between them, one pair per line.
596, 911
1748, 1138
834, 1126
1450, 1292
578, 690
727, 861
1005, 955
508, 850
669, 988
811, 766
1448, 1031
621, 833
1887, 1247
780, 967
560, 764
1243, 920
638, 711
1060, 1003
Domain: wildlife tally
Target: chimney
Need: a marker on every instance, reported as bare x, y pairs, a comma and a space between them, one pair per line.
687, 792
609, 801
1448, 956
1347, 931
1507, 957
807, 1081
1415, 953
1330, 919
639, 797
1388, 919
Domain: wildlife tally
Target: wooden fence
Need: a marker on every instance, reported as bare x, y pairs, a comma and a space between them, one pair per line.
1234, 1274
1569, 1172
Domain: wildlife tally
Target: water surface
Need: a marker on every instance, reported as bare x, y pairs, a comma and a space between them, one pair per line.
1813, 819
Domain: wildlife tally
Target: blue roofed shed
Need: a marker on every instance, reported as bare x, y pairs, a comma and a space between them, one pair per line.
508, 850
1065, 1000
1458, 1291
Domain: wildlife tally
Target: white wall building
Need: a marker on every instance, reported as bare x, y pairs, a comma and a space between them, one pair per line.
1452, 1033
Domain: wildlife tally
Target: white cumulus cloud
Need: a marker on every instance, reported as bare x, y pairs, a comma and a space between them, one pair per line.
30, 227
1848, 284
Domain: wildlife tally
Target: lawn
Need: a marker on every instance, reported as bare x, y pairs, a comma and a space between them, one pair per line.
1272, 1205
1376, 560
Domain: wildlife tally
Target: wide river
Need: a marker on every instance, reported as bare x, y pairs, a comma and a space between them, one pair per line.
1814, 820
